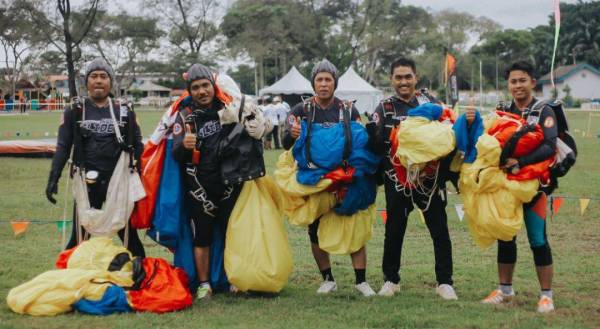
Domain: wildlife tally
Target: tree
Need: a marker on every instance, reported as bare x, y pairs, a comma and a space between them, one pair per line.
273, 33
123, 40
244, 75
64, 27
16, 38
580, 32
190, 24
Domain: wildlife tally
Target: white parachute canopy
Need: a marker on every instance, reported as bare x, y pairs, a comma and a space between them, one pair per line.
352, 87
291, 83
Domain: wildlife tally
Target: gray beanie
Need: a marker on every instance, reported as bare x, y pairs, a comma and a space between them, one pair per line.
99, 64
197, 72
324, 66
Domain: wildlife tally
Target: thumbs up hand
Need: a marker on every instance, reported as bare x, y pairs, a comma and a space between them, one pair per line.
189, 140
296, 128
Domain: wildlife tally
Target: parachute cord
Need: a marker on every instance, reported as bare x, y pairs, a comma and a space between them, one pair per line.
64, 216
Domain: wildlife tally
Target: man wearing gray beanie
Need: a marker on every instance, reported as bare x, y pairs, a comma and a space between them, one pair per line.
324, 108
88, 128
199, 135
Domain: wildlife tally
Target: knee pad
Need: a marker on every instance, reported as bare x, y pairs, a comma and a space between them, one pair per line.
507, 252
542, 256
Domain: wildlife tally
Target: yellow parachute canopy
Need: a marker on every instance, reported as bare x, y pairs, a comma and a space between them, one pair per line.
303, 204
53, 292
257, 252
493, 204
421, 140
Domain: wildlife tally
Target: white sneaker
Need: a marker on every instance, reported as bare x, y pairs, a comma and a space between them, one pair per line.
545, 305
327, 287
446, 292
389, 289
365, 289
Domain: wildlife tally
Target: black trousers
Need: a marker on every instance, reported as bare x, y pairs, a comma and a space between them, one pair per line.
274, 134
211, 203
97, 196
398, 207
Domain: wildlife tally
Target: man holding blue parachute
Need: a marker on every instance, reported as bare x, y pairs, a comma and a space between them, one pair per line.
332, 156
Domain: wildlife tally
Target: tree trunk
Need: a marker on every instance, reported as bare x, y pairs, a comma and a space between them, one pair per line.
70, 69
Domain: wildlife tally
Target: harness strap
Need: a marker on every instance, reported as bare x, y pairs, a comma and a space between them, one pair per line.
309, 109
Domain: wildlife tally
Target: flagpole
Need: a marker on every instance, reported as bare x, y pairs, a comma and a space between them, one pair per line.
480, 86
556, 33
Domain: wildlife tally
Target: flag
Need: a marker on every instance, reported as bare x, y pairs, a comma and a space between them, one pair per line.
19, 227
383, 214
421, 216
460, 211
556, 203
583, 204
556, 33
450, 80
60, 225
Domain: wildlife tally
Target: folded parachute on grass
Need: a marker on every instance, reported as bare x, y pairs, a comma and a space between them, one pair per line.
92, 278
493, 200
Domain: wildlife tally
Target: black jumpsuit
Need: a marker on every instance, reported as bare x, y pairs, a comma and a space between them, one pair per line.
99, 151
211, 200
399, 203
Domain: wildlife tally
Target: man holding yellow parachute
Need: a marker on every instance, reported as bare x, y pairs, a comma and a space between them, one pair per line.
412, 131
327, 177
511, 165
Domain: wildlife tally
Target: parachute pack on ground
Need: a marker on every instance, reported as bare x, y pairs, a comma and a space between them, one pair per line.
98, 277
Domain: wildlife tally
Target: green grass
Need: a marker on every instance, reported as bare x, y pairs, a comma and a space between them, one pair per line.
575, 242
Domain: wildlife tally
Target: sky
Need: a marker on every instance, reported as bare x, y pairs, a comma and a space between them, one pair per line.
513, 14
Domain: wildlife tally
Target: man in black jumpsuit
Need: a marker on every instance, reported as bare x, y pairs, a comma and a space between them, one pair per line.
197, 133
521, 83
327, 109
89, 128
399, 203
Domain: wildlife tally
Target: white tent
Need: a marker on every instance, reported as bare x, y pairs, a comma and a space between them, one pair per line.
291, 83
352, 87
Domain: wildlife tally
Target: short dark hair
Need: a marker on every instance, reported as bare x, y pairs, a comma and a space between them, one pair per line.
524, 66
403, 61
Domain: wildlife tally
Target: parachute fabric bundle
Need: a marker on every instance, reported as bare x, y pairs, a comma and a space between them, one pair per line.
422, 138
493, 200
257, 252
303, 204
343, 228
124, 189
54, 292
94, 280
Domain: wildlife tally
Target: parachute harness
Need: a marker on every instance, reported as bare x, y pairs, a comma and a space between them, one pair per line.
415, 175
199, 194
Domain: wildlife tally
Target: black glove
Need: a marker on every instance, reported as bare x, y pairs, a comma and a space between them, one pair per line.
52, 187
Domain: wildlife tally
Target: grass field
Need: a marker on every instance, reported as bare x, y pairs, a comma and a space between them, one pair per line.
575, 241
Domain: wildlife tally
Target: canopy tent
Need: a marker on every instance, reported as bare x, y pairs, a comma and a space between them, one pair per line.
352, 87
291, 86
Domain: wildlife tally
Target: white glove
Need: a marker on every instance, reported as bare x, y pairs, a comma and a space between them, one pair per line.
254, 129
